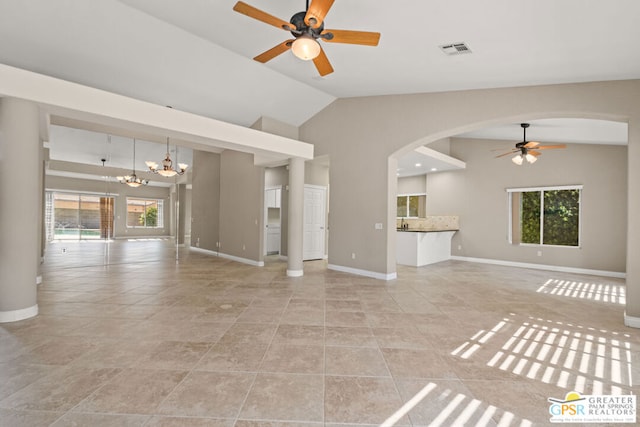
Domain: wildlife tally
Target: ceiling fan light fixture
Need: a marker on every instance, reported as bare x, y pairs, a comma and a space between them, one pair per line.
305, 47
517, 159
531, 158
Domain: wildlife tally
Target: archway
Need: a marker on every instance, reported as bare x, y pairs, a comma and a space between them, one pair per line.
385, 126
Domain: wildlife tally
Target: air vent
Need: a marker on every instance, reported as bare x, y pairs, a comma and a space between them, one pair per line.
455, 48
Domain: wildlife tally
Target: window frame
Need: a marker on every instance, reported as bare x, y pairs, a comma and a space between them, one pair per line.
510, 192
408, 195
160, 205
50, 214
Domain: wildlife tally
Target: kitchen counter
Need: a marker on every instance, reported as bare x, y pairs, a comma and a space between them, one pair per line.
418, 247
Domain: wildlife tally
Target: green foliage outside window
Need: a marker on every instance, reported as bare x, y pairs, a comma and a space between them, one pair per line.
559, 217
401, 207
414, 206
146, 213
530, 212
150, 217
411, 206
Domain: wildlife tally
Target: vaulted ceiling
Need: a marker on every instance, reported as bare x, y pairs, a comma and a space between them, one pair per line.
196, 55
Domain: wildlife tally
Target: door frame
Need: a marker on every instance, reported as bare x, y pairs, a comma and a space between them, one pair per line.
265, 213
325, 227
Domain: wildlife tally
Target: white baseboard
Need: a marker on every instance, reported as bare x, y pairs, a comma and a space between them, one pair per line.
604, 273
15, 315
242, 260
295, 273
631, 321
125, 237
366, 273
231, 257
204, 251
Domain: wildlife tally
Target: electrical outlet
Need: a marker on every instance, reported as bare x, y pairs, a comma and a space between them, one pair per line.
244, 247
539, 253
459, 247
353, 255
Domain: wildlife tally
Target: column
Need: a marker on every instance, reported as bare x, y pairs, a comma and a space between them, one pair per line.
632, 309
296, 220
19, 206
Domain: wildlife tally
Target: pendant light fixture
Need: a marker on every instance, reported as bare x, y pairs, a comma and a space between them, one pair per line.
167, 166
132, 180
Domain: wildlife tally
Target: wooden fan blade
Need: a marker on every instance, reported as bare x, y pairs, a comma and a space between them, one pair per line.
533, 152
322, 64
549, 147
352, 37
274, 51
531, 144
507, 153
254, 13
317, 11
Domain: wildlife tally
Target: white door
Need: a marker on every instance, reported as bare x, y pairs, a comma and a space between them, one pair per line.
315, 199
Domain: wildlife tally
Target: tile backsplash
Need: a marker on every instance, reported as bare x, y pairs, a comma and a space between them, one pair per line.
431, 223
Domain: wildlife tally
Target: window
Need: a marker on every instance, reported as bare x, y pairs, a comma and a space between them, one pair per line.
545, 216
411, 205
72, 216
145, 213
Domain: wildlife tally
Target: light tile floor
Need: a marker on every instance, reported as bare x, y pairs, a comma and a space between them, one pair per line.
131, 334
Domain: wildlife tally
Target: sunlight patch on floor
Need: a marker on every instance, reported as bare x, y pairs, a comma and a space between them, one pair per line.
459, 411
564, 354
592, 291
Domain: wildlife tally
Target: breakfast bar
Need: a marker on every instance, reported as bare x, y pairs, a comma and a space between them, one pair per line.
424, 241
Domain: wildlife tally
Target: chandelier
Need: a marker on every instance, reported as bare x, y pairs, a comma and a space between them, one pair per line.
167, 168
132, 180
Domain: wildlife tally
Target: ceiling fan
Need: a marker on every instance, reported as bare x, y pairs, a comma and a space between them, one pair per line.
307, 28
528, 150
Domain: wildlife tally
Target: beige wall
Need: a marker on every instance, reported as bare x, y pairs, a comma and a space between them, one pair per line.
205, 200
477, 194
412, 184
241, 206
269, 125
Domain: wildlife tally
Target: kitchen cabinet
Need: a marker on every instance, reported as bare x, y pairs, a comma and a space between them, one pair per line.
273, 197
